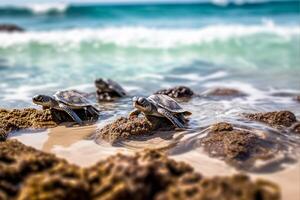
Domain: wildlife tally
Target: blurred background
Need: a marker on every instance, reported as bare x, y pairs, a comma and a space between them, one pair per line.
252, 45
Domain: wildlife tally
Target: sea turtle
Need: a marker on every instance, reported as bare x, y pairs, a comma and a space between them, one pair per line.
160, 105
108, 89
68, 101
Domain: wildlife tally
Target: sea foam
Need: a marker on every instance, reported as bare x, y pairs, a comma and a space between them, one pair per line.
144, 37
46, 7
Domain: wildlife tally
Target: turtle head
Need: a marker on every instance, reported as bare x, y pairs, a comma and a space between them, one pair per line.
142, 104
43, 100
101, 83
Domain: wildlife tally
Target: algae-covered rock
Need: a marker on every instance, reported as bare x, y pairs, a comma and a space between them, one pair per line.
3, 134
275, 119
141, 176
235, 187
17, 162
16, 119
177, 92
11, 120
62, 182
224, 141
242, 147
124, 128
26, 174
152, 175
222, 92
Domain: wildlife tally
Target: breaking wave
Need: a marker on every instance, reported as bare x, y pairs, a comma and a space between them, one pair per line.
143, 37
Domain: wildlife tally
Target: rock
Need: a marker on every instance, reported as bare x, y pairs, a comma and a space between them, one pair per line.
241, 147
222, 126
223, 93
152, 175
60, 182
222, 140
3, 134
18, 162
16, 119
124, 128
10, 28
189, 187
275, 119
26, 173
141, 176
11, 120
177, 92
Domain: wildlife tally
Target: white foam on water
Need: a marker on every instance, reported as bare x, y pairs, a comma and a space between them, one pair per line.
25, 92
41, 8
143, 37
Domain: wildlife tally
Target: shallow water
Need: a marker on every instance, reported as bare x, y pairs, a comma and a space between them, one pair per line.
251, 47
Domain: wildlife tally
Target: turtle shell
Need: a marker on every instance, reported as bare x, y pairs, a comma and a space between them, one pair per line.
72, 98
116, 87
166, 102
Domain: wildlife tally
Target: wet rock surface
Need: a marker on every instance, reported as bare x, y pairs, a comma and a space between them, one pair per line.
177, 92
151, 175
62, 181
243, 148
10, 28
297, 98
277, 119
27, 173
124, 128
13, 120
189, 187
18, 162
223, 93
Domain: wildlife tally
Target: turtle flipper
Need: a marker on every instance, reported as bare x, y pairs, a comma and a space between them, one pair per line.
171, 117
71, 113
94, 112
135, 112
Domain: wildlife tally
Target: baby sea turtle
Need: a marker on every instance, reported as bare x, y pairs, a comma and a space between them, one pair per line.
108, 89
160, 105
68, 101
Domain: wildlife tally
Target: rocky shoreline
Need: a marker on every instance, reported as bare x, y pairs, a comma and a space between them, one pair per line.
26, 173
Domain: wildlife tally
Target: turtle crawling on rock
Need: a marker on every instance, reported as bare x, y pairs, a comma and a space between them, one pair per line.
68, 101
160, 105
107, 90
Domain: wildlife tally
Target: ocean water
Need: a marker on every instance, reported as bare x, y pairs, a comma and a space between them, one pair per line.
252, 46
147, 47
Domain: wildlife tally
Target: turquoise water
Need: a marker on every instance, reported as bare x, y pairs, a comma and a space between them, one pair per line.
250, 46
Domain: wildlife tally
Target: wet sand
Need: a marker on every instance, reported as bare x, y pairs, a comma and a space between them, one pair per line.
73, 145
